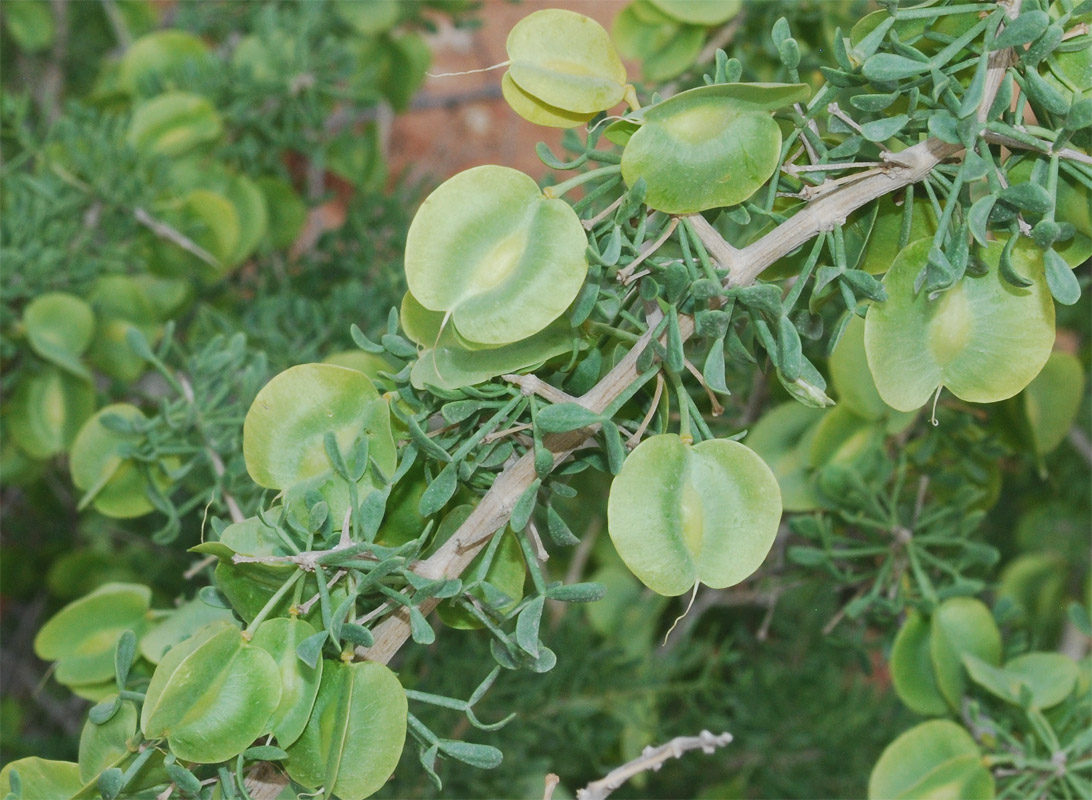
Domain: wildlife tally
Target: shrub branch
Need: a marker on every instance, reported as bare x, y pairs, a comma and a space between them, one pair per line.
743, 266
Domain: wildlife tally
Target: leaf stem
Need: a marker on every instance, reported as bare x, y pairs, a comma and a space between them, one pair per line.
272, 603
559, 189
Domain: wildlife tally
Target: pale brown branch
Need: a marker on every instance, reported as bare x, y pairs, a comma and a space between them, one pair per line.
165, 231
652, 759
625, 275
531, 384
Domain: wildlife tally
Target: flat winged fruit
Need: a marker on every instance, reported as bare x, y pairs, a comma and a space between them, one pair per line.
680, 514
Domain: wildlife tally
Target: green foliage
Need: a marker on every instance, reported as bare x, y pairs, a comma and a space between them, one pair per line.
825, 225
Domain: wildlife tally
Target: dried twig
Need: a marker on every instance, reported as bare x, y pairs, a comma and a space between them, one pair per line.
652, 758
551, 783
531, 384
165, 231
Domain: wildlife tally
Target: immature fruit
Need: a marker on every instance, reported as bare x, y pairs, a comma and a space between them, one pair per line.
984, 339
680, 514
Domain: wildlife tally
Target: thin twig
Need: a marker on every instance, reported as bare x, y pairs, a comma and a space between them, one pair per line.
635, 439
625, 275
530, 384
541, 553
51, 84
165, 231
495, 435
551, 783
652, 758
1067, 153
606, 212
117, 24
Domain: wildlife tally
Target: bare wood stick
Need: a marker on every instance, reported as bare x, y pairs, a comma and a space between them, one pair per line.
165, 231
652, 759
551, 783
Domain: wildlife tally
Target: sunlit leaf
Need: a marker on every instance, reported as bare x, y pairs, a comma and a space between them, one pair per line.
59, 327
680, 514
41, 778
222, 672
852, 380
156, 55
534, 110
491, 251
566, 60
960, 626
82, 635
47, 410
116, 486
285, 428
181, 623
708, 147
299, 683
912, 668
936, 760
174, 123
984, 339
699, 12
356, 732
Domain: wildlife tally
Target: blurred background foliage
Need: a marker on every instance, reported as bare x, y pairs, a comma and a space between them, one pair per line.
260, 132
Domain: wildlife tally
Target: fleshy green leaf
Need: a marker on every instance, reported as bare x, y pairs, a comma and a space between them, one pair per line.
961, 626
114, 485
281, 637
174, 123
781, 438
59, 327
223, 672
356, 732
180, 624
285, 429
912, 668
534, 110
40, 778
48, 410
680, 514
566, 60
1053, 400
493, 253
83, 635
984, 339
699, 12
936, 760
